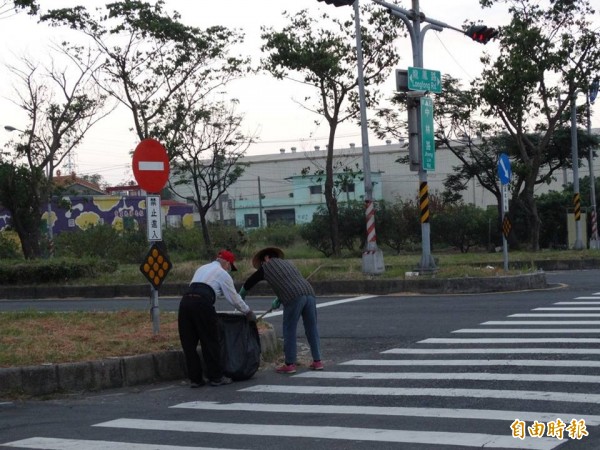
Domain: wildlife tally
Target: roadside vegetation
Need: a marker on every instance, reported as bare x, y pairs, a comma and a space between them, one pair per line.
34, 337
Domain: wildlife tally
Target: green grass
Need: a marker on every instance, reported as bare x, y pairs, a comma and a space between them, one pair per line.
32, 337
318, 268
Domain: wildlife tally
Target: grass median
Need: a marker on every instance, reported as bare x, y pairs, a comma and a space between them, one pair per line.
32, 337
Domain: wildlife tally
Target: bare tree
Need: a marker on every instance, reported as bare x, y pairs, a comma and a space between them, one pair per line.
61, 106
207, 158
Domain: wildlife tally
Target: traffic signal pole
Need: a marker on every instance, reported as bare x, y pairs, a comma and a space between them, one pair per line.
412, 19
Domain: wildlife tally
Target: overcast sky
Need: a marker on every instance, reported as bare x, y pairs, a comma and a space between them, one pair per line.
268, 104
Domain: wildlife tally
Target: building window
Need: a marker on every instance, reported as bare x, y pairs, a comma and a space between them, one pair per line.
348, 187
174, 221
251, 220
316, 189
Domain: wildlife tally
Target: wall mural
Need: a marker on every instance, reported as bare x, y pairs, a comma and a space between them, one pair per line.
79, 213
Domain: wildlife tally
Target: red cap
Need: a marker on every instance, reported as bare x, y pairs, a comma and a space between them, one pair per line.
229, 257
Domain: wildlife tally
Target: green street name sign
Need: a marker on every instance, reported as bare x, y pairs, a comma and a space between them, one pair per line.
427, 137
420, 79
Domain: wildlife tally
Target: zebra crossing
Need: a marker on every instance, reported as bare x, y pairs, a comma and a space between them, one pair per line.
469, 390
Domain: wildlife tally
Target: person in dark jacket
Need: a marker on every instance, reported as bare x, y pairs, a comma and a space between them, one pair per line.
296, 295
198, 321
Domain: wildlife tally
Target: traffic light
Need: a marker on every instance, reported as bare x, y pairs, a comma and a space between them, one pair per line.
338, 2
481, 33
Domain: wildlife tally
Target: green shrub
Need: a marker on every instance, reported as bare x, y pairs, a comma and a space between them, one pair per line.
184, 244
278, 235
9, 248
103, 242
56, 270
226, 236
316, 234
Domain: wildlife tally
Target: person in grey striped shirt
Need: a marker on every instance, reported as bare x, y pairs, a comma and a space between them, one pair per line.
296, 295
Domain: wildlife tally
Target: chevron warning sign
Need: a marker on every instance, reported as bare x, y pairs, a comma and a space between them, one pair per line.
506, 227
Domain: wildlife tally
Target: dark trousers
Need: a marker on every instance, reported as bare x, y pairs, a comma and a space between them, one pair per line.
197, 322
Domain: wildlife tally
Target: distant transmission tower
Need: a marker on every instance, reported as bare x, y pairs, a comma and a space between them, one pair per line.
70, 165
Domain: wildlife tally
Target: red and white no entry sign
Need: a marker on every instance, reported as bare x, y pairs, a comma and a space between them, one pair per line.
151, 165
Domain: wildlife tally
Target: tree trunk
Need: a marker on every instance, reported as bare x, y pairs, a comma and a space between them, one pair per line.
330, 199
205, 233
30, 242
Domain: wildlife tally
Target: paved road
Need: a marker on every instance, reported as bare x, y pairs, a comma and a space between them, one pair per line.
402, 372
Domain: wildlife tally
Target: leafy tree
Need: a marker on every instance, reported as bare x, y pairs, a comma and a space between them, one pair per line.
312, 233
21, 190
462, 226
150, 57
345, 177
319, 52
167, 73
61, 107
398, 224
547, 53
7, 7
552, 208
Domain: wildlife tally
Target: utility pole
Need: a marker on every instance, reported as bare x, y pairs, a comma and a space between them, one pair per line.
372, 257
578, 245
412, 20
591, 97
260, 208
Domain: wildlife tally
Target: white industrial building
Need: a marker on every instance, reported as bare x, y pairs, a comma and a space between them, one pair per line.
273, 176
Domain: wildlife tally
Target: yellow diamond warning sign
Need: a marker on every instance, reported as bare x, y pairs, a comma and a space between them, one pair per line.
156, 265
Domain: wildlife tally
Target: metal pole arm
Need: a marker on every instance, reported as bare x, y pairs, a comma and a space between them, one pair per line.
411, 16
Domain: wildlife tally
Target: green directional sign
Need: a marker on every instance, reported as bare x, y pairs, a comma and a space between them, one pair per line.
427, 137
420, 79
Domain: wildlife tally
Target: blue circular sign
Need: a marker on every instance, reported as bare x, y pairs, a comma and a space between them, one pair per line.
504, 171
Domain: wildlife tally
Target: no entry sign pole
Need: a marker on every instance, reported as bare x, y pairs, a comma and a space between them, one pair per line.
151, 171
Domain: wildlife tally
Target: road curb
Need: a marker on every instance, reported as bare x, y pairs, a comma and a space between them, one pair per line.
49, 379
109, 373
426, 284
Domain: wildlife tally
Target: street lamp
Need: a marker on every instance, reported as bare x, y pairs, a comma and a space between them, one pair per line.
372, 258
10, 128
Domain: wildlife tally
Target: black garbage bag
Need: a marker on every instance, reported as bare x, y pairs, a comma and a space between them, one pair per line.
240, 346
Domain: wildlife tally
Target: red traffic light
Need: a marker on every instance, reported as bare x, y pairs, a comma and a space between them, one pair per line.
338, 2
481, 33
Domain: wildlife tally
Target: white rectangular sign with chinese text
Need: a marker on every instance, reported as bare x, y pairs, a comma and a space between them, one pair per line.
153, 218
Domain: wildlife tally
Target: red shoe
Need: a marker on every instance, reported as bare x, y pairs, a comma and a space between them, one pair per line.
286, 368
316, 365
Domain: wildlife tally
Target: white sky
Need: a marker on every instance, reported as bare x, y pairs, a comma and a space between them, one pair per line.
267, 103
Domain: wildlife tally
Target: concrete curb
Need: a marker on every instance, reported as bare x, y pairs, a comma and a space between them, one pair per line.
50, 379
426, 284
148, 368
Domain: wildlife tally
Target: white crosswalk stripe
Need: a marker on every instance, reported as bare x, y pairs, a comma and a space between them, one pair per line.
340, 433
85, 444
456, 413
533, 379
